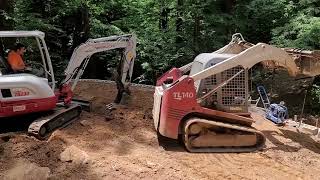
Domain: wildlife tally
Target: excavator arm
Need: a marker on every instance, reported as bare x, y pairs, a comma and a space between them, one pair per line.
81, 56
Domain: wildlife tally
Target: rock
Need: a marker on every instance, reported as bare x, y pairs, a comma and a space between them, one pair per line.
74, 155
85, 123
115, 167
27, 171
150, 164
109, 118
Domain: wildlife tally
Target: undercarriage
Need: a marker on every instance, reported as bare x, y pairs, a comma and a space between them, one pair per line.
60, 117
203, 135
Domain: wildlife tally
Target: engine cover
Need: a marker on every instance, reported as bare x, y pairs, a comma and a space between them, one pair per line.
25, 93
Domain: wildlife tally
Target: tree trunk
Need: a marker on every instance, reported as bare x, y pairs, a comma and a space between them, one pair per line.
81, 31
6, 9
179, 21
228, 6
80, 35
164, 12
196, 34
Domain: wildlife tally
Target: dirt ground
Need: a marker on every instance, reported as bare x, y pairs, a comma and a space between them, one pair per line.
127, 147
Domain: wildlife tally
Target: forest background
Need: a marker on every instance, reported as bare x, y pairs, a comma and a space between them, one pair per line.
170, 32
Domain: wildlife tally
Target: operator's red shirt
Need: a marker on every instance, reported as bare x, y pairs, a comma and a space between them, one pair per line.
16, 62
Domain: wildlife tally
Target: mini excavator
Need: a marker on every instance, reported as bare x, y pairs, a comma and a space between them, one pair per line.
25, 94
207, 109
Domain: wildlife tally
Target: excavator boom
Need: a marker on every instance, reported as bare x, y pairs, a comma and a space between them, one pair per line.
81, 55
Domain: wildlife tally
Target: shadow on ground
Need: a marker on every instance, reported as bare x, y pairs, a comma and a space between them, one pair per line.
303, 139
270, 135
14, 124
170, 144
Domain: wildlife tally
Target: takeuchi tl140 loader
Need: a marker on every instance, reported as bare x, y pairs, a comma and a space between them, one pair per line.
25, 94
208, 109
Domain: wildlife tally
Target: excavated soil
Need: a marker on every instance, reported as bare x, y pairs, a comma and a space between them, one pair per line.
127, 147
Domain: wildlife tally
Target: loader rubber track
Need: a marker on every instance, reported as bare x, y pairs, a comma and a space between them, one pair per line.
61, 117
260, 138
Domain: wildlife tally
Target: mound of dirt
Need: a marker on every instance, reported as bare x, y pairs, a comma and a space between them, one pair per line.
74, 155
101, 93
27, 171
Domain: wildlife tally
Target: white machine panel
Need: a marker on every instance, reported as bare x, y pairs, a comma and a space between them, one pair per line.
17, 87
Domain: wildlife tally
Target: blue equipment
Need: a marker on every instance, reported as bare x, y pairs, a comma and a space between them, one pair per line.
275, 112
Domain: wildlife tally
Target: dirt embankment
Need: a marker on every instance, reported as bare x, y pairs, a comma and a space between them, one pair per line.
127, 147
101, 93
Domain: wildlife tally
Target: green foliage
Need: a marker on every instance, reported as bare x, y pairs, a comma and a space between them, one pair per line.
315, 99
303, 27
170, 32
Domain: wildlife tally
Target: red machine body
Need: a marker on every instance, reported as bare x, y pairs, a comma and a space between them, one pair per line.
14, 108
179, 102
173, 74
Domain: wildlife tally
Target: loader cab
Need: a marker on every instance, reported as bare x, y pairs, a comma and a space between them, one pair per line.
231, 97
35, 38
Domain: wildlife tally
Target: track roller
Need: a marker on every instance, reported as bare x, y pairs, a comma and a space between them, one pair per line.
61, 117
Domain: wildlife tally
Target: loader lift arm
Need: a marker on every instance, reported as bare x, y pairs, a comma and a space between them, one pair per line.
249, 57
306, 61
81, 56
298, 62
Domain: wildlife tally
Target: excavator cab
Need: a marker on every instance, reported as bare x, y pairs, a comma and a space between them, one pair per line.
45, 61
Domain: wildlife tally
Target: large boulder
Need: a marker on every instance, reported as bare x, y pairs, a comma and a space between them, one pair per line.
74, 155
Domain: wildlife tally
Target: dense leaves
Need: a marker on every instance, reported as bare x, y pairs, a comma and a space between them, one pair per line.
170, 32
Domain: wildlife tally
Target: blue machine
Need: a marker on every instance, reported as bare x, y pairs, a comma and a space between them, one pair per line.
277, 113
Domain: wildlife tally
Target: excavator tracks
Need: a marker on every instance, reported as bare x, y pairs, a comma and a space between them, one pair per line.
202, 135
61, 117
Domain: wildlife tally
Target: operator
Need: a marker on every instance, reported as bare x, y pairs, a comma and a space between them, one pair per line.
16, 62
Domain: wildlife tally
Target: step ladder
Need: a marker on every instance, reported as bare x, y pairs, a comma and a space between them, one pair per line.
264, 97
